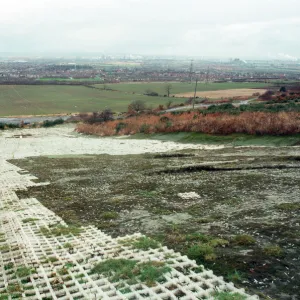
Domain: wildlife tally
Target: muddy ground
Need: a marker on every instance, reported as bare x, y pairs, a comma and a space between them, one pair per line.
248, 206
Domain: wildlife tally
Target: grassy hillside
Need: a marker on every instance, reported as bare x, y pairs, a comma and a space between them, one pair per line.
50, 99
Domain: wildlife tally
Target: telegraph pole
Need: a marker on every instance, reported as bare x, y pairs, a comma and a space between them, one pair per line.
195, 93
207, 76
191, 71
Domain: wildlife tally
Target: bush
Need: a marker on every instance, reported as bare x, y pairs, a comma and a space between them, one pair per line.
2, 126
144, 128
48, 123
120, 126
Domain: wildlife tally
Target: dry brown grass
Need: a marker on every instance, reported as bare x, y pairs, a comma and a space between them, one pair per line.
258, 123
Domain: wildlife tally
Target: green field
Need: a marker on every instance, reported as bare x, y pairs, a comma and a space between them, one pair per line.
178, 87
53, 99
70, 79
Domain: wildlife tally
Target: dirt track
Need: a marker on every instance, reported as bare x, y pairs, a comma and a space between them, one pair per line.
223, 93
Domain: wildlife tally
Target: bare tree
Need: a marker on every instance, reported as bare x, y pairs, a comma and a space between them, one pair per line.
168, 88
136, 106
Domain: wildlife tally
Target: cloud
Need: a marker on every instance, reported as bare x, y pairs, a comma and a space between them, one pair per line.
191, 27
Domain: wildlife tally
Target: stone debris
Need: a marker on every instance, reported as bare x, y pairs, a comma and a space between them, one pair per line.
190, 195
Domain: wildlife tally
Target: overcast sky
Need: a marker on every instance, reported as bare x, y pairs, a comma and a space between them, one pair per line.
220, 28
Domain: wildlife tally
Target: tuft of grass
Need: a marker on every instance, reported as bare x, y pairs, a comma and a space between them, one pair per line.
68, 245
4, 248
288, 206
9, 266
218, 242
273, 250
244, 239
14, 288
235, 276
125, 269
201, 252
29, 220
109, 215
228, 296
24, 272
51, 259
60, 230
145, 243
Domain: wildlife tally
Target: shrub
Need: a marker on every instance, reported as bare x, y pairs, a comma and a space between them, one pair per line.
48, 123
120, 126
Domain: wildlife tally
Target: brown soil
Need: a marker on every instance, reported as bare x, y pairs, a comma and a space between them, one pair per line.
223, 93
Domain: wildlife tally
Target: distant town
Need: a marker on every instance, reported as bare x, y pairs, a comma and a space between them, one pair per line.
114, 69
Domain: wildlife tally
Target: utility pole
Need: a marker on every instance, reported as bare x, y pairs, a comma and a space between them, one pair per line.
207, 76
191, 71
195, 93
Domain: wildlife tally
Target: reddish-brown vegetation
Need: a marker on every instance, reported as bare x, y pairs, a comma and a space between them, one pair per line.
281, 123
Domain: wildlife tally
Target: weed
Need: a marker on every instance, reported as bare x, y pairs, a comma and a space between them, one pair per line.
4, 248
235, 276
51, 259
202, 252
145, 243
198, 237
273, 250
63, 271
218, 242
109, 215
228, 296
60, 230
9, 266
148, 194
125, 291
14, 288
24, 272
118, 269
29, 220
68, 245
150, 272
244, 239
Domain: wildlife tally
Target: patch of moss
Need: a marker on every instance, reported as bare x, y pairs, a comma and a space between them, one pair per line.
244, 239
29, 220
273, 250
109, 215
228, 296
288, 206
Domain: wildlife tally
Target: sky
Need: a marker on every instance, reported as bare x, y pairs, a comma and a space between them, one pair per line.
214, 28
